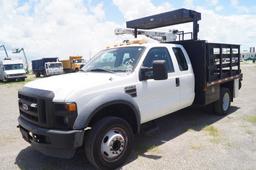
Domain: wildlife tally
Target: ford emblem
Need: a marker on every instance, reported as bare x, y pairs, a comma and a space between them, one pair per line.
25, 106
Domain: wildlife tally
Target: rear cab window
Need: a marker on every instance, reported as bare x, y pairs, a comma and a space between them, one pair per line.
181, 59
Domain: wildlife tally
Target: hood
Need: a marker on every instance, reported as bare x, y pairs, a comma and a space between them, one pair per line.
64, 85
19, 71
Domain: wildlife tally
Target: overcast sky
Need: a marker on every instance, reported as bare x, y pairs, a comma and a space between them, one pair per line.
49, 28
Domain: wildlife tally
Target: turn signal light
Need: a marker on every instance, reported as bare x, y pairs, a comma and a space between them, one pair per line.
71, 107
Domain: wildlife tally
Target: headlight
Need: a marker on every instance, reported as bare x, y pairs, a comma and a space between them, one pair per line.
65, 115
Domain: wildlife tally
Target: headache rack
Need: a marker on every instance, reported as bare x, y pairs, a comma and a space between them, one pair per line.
213, 63
175, 17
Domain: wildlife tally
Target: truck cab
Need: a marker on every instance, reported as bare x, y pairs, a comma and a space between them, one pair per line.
53, 68
11, 69
73, 64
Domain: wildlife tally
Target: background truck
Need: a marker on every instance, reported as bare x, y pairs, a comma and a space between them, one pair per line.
73, 64
130, 84
47, 67
12, 69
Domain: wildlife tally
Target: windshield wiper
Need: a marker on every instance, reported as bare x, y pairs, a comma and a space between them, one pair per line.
101, 70
119, 70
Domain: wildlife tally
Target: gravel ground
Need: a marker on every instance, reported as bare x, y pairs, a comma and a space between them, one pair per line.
188, 139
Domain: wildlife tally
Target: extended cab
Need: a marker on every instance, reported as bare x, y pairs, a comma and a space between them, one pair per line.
101, 107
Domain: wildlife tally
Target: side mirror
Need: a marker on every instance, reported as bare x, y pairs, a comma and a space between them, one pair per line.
159, 70
146, 73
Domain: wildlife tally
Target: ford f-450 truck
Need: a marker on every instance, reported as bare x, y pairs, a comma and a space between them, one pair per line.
103, 106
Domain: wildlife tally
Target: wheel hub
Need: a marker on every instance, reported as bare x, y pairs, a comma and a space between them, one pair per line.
226, 100
113, 144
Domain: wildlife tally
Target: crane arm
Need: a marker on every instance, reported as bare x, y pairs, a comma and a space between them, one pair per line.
159, 36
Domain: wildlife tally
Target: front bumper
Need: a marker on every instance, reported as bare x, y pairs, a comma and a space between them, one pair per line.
56, 143
16, 77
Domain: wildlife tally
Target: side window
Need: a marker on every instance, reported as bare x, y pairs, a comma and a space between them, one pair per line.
180, 58
158, 53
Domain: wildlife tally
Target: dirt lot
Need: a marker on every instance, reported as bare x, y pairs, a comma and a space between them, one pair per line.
188, 139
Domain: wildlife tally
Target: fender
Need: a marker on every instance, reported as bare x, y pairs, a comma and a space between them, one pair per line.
89, 109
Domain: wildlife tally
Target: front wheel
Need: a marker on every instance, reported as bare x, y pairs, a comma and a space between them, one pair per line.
221, 107
109, 143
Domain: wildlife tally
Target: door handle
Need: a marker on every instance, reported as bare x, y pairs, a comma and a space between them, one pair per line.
177, 80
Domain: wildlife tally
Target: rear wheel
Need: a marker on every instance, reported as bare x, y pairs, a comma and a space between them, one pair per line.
109, 143
221, 107
37, 74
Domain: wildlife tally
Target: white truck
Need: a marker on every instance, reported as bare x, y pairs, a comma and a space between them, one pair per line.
103, 106
47, 67
12, 69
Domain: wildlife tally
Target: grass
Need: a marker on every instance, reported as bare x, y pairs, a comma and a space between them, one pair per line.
251, 119
214, 133
153, 149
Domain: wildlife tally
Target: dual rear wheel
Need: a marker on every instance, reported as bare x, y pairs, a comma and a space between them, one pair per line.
222, 106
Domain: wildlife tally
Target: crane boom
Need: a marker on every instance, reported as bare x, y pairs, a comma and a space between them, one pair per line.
159, 36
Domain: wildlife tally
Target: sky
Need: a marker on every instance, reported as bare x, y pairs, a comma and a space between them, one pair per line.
60, 28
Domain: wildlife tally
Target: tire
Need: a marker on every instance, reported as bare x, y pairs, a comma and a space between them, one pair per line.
4, 80
109, 143
37, 74
222, 106
22, 79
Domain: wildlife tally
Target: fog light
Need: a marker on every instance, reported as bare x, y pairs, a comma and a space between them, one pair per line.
30, 134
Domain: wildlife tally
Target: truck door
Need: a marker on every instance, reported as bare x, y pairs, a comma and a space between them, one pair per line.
158, 97
185, 78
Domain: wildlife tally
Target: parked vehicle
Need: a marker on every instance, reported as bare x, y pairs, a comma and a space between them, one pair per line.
47, 67
12, 69
104, 105
73, 64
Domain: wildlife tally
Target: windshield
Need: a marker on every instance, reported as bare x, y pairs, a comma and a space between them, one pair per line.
55, 65
13, 66
78, 61
122, 59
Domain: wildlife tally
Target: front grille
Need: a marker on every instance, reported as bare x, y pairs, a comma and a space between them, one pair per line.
28, 116
37, 109
14, 75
